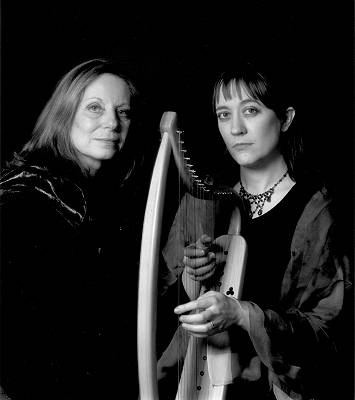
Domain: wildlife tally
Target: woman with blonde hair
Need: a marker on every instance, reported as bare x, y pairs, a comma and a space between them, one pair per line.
62, 196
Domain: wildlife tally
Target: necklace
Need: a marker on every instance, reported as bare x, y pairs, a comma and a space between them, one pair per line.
259, 199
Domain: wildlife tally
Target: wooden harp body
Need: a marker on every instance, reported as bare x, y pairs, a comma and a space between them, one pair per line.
209, 364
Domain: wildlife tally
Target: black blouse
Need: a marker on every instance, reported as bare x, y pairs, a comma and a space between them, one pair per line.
269, 241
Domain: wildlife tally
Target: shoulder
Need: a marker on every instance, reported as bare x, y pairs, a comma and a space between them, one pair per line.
38, 186
316, 218
317, 258
318, 207
318, 195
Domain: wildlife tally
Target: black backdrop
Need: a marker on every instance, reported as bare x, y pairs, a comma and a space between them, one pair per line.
174, 52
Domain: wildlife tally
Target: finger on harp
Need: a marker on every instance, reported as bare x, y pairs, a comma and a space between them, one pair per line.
201, 270
183, 308
198, 318
204, 241
196, 262
197, 328
195, 252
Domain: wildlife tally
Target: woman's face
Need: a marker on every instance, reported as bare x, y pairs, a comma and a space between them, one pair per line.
102, 120
250, 130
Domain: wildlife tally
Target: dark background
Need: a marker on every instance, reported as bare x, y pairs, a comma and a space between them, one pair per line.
174, 51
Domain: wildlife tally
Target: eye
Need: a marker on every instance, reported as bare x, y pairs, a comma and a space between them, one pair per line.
124, 113
95, 108
250, 110
223, 115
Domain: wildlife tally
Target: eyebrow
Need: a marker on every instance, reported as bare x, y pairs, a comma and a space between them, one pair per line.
242, 103
100, 99
92, 98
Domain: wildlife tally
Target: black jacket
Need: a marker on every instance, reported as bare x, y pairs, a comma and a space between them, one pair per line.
65, 286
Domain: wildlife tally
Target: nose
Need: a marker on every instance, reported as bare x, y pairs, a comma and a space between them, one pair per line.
112, 120
238, 127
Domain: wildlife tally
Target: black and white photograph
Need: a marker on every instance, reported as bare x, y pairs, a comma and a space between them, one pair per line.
177, 200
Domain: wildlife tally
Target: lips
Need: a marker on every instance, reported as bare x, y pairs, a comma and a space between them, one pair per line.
240, 146
107, 139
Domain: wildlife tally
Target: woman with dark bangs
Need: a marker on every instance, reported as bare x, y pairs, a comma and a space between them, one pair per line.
284, 326
66, 235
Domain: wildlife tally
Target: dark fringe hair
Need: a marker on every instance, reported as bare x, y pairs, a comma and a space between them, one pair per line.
275, 92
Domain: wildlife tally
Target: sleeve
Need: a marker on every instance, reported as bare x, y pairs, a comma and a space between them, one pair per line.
297, 341
193, 218
171, 264
172, 341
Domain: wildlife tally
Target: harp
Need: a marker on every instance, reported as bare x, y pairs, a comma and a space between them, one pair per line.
206, 376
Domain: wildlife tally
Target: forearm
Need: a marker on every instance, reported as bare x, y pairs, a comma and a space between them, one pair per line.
294, 337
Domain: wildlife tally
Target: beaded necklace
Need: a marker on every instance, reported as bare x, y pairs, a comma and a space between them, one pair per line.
259, 199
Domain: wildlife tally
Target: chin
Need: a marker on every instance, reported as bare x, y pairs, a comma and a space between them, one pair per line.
244, 159
241, 161
107, 155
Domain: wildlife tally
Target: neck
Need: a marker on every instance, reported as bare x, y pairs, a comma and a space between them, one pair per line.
92, 166
259, 180
92, 171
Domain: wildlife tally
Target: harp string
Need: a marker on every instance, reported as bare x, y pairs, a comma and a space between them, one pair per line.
148, 263
201, 210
